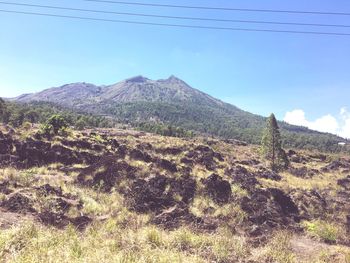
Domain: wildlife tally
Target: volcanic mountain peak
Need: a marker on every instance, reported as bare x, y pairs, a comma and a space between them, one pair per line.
137, 79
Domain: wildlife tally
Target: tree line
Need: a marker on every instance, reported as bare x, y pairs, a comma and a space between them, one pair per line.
16, 115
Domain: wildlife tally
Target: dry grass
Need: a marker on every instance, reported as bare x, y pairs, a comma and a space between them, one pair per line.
120, 235
111, 241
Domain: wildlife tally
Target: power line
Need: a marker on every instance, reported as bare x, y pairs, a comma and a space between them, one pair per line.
177, 17
221, 8
176, 25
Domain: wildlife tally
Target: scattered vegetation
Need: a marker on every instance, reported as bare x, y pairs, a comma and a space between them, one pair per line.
111, 195
325, 231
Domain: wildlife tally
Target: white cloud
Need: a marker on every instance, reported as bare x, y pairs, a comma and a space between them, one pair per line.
327, 123
296, 117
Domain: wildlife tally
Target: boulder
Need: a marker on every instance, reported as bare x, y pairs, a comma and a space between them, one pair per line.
167, 165
217, 188
269, 209
268, 174
151, 195
241, 176
336, 165
106, 173
311, 204
141, 156
18, 202
185, 186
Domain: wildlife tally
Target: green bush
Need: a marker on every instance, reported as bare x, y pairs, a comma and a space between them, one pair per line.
57, 123
325, 231
26, 126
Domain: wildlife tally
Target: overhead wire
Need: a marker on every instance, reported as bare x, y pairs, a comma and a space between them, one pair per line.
221, 8
174, 25
175, 17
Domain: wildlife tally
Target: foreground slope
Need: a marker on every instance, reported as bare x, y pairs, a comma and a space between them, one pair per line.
126, 196
171, 101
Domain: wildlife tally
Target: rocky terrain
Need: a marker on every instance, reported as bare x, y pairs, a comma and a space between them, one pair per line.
127, 196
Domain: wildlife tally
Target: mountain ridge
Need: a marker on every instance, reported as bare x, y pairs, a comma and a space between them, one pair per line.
123, 91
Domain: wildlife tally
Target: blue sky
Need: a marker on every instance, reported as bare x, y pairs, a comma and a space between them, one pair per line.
259, 72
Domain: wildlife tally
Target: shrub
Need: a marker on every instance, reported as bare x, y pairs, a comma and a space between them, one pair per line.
322, 230
80, 124
46, 129
26, 126
57, 122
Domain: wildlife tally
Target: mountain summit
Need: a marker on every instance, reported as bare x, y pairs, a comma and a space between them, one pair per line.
135, 89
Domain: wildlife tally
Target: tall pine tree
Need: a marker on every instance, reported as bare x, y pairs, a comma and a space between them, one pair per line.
2, 109
272, 145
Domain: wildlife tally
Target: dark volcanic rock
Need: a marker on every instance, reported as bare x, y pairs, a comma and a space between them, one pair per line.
336, 165
185, 186
303, 172
157, 195
150, 195
106, 173
170, 150
46, 203
235, 142
5, 145
291, 153
167, 165
298, 159
47, 189
241, 176
81, 222
311, 203
18, 202
269, 209
81, 144
144, 146
345, 183
174, 217
141, 156
5, 188
29, 153
113, 143
186, 161
252, 162
217, 188
268, 174
205, 155
286, 203
53, 218
348, 224
299, 172
8, 159
319, 157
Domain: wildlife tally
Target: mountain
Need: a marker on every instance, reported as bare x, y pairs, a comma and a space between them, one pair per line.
172, 101
69, 95
135, 89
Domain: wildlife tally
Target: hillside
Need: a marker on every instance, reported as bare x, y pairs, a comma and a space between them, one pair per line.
173, 102
109, 195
